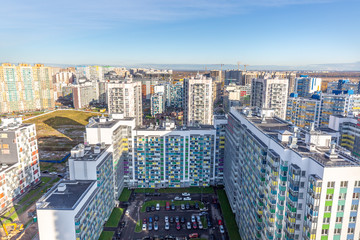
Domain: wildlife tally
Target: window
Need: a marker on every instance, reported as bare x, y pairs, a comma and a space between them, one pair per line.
324, 231
343, 184
331, 184
329, 196
352, 219
356, 195
357, 184
297, 227
342, 196
302, 184
300, 206
303, 173
338, 219
326, 220
354, 207
350, 230
337, 231
340, 208
301, 195
298, 216
327, 208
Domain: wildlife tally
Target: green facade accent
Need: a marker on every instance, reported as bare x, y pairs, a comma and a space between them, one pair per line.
336, 237
328, 203
343, 190
341, 202
327, 215
338, 225
325, 226
330, 191
339, 214
324, 237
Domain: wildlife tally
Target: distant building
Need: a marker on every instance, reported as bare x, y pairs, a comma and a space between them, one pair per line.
176, 95
83, 95
79, 207
157, 103
125, 97
270, 93
343, 85
19, 159
302, 112
25, 88
233, 77
306, 86
198, 101
237, 95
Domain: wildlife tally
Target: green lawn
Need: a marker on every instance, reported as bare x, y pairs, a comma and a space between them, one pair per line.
125, 195
9, 217
189, 190
204, 222
144, 190
106, 235
229, 216
163, 203
114, 218
138, 227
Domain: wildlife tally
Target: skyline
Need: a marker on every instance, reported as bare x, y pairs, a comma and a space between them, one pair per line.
181, 32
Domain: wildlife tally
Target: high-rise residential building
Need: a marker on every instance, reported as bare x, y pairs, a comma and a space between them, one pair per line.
302, 112
125, 97
343, 85
116, 131
287, 183
237, 95
78, 208
306, 86
25, 88
220, 123
83, 95
340, 103
233, 76
157, 103
19, 159
270, 93
175, 93
198, 101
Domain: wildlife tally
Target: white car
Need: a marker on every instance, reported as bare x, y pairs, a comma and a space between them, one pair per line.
167, 226
156, 227
185, 194
178, 198
144, 227
157, 206
204, 209
200, 225
127, 212
193, 218
187, 198
188, 225
53, 173
166, 219
198, 218
222, 229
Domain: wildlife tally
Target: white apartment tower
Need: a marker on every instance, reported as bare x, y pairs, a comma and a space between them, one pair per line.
198, 101
270, 93
125, 97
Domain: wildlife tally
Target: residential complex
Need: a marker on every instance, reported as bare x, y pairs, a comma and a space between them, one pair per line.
343, 85
25, 88
306, 86
237, 95
125, 97
78, 208
157, 103
198, 101
270, 93
19, 159
175, 95
288, 183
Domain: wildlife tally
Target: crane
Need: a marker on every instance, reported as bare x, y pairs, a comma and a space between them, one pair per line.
238, 63
245, 65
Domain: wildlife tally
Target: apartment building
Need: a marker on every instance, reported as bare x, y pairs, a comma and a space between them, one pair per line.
25, 88
270, 93
78, 208
306, 86
175, 96
339, 103
220, 123
157, 103
198, 101
343, 85
125, 97
287, 183
19, 159
83, 95
116, 131
237, 95
302, 112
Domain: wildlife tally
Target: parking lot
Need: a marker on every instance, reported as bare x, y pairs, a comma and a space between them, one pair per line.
136, 213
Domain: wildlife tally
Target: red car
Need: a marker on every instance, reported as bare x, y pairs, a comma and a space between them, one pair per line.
144, 221
220, 222
194, 225
193, 235
178, 226
167, 206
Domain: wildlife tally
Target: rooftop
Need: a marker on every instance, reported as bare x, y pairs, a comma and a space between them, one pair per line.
273, 126
105, 122
66, 198
88, 152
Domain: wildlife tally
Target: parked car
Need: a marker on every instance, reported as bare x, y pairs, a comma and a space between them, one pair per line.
177, 198
193, 218
127, 212
166, 219
177, 219
167, 206
200, 225
188, 225
171, 219
209, 223
194, 225
178, 227
203, 213
157, 194
167, 226
182, 206
158, 207
187, 198
122, 224
196, 206
198, 218
182, 220
185, 194
150, 219
156, 226
144, 227
53, 173
152, 208
194, 235
149, 226
156, 218
187, 206
45, 171
204, 209
222, 230
173, 207
144, 220
148, 209
220, 222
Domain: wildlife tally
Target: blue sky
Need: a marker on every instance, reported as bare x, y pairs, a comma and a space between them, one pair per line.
256, 32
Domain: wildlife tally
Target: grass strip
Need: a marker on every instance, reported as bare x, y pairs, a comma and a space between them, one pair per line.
106, 235
114, 218
125, 195
229, 216
138, 227
144, 190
